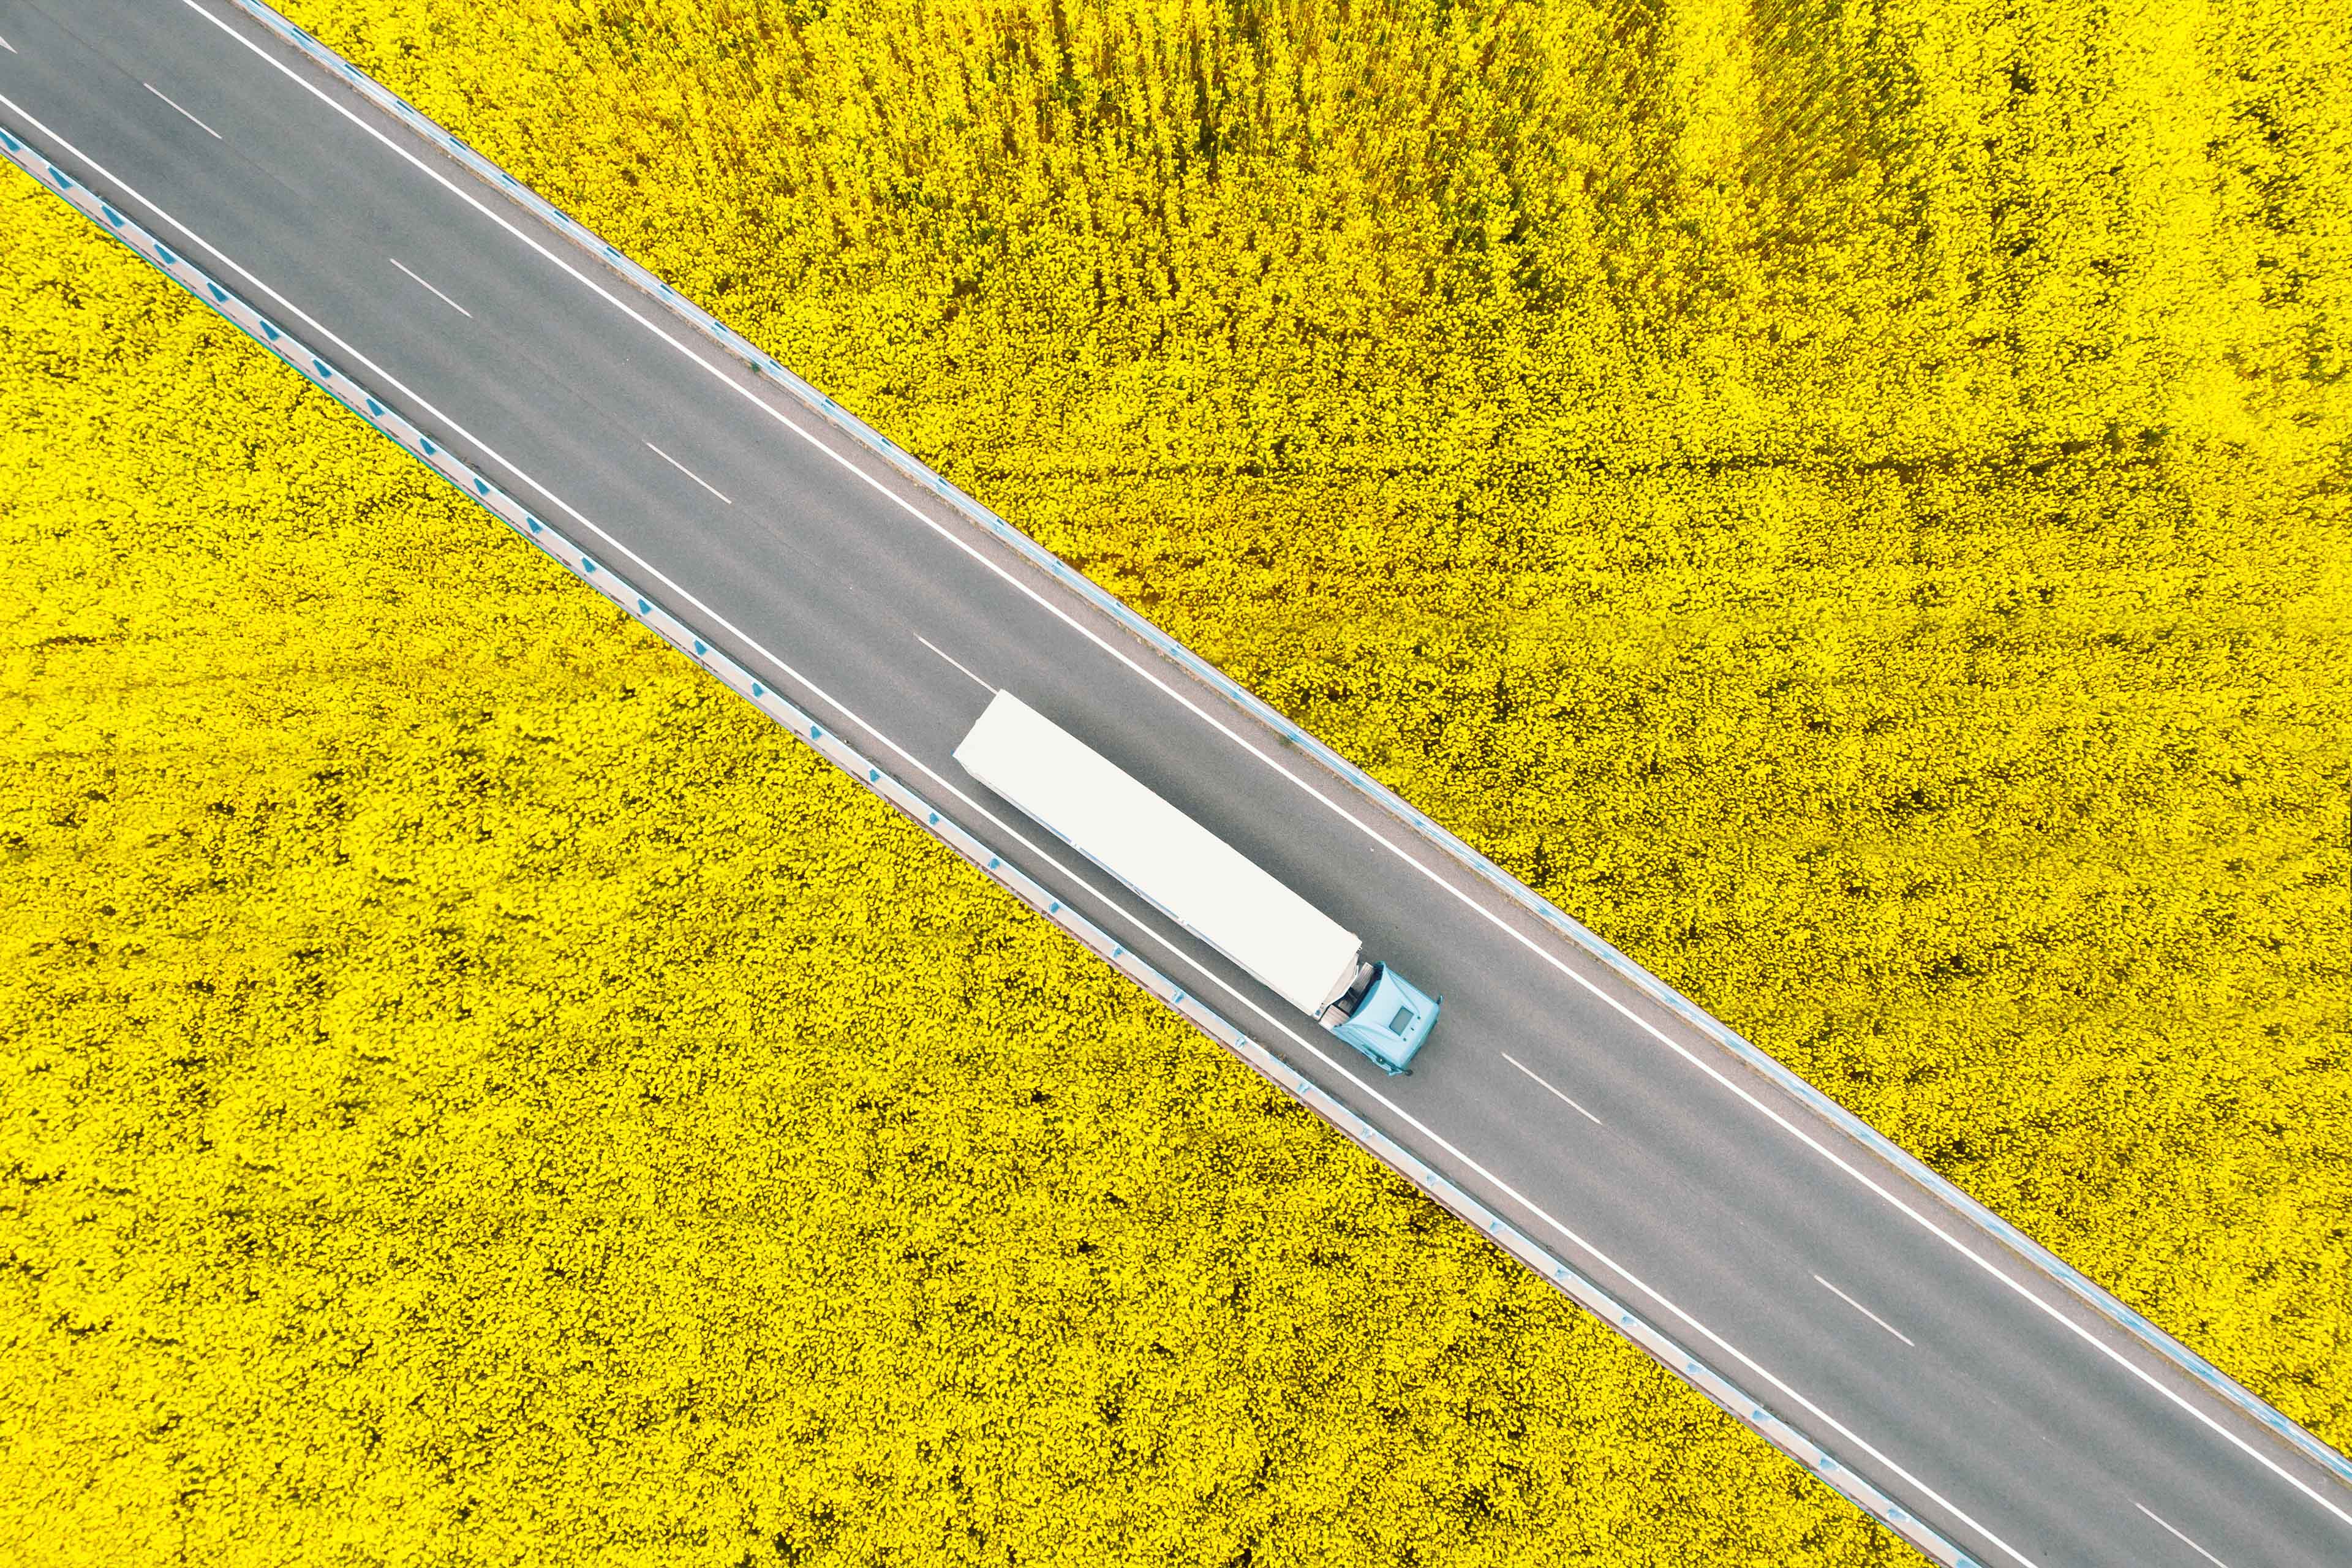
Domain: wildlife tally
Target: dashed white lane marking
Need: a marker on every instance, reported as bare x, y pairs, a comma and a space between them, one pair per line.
159, 92
428, 288
1615, 1004
1569, 1103
1170, 946
682, 468
2181, 1537
4, 44
2079, 1330
952, 659
1865, 1311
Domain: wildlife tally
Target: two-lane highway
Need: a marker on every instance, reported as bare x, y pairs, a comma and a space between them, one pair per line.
1858, 1305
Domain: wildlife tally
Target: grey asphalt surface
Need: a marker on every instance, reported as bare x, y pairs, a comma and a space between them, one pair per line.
1855, 1304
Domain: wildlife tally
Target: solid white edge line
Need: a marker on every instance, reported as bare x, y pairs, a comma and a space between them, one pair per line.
159, 92
1564, 1100
1166, 944
952, 659
2182, 1538
2085, 1335
1865, 1311
437, 293
682, 468
532, 244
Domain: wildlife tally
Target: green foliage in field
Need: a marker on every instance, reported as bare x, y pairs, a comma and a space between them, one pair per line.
1848, 501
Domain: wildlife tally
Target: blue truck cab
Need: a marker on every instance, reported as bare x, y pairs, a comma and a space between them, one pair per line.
1385, 1016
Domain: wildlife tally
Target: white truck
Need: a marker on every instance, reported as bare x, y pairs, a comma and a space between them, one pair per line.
1198, 880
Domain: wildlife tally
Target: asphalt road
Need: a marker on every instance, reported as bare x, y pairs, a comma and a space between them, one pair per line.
1944, 1366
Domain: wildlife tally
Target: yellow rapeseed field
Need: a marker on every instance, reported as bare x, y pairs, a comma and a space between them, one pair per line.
1849, 502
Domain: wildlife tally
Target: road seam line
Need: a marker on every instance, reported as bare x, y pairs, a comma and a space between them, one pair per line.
1641, 1023
1987, 1264
2028, 1253
1348, 1120
2089, 1294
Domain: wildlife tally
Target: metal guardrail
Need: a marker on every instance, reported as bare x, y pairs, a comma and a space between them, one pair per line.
583, 565
763, 365
2089, 1292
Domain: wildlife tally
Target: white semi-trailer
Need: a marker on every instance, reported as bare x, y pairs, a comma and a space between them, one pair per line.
1198, 880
